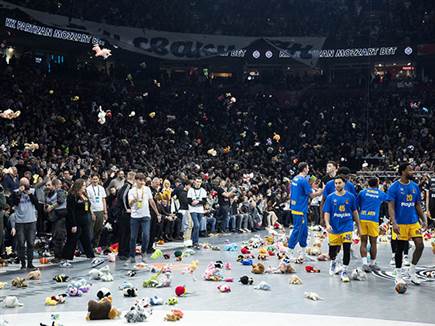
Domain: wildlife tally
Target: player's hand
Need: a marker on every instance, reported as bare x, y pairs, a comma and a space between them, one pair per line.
328, 228
396, 228
358, 231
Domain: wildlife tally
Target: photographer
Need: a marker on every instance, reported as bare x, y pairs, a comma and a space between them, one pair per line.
23, 221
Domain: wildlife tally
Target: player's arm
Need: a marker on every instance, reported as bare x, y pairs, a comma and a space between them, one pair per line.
357, 221
327, 219
420, 214
393, 217
427, 204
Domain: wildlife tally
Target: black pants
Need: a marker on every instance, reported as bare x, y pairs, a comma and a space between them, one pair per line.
177, 232
124, 234
41, 222
26, 234
59, 236
315, 215
155, 229
83, 234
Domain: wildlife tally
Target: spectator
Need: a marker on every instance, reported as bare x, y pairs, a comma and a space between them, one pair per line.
97, 198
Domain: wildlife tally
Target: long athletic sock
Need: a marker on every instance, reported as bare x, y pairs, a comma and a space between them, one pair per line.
364, 260
373, 262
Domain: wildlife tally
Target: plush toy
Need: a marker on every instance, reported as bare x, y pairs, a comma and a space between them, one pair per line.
102, 274
142, 267
125, 285
172, 301
295, 280
245, 251
105, 53
74, 292
312, 296
31, 146
231, 247
156, 301
219, 264
94, 274
131, 273
9, 114
358, 275
180, 290
229, 279
213, 273
216, 248
80, 284
3, 285
311, 269
111, 257
43, 260
102, 310
130, 292
156, 254
19, 282
54, 300
284, 267
264, 286
246, 280
137, 314
224, 288
188, 252
247, 262
228, 266
61, 278
323, 257
174, 315
258, 268
193, 266
430, 274
166, 256
34, 275
11, 302
401, 287
160, 280
103, 292
313, 251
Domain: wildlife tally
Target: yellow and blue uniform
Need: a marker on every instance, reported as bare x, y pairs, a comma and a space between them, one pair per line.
300, 191
369, 202
405, 197
340, 209
330, 188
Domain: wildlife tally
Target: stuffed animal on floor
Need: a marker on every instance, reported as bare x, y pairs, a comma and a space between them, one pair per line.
178, 255
156, 254
131, 273
213, 273
19, 282
160, 280
246, 280
34, 275
103, 293
295, 280
74, 292
284, 267
172, 301
166, 256
3, 262
216, 248
264, 286
311, 269
245, 251
180, 291
228, 266
401, 287
258, 268
3, 285
188, 252
80, 284
137, 314
224, 288
323, 257
111, 257
231, 247
99, 310
312, 296
43, 260
60, 278
247, 262
174, 315
125, 285
11, 302
358, 275
193, 266
313, 251
142, 267
156, 301
130, 292
102, 274
54, 300
262, 254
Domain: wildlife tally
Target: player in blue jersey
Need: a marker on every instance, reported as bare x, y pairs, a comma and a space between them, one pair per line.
300, 192
330, 186
407, 218
369, 202
340, 211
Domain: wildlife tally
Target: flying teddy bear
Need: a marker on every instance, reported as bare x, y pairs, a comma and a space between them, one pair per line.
101, 52
10, 114
103, 309
258, 268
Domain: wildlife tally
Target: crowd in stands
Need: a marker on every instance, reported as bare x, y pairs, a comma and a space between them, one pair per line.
349, 22
240, 140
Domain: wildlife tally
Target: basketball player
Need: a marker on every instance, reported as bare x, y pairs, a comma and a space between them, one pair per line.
405, 212
300, 192
369, 202
340, 211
